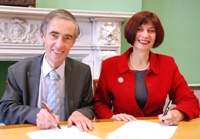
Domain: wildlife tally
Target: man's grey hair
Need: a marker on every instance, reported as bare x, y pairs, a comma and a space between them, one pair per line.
62, 14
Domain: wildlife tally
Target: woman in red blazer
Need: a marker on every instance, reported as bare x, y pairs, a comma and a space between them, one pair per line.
137, 83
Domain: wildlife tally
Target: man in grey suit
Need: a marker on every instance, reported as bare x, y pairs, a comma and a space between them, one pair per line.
28, 80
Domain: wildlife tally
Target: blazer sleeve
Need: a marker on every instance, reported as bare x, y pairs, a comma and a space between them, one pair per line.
183, 96
14, 105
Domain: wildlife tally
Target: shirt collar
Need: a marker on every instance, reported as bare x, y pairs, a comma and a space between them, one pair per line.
123, 61
46, 68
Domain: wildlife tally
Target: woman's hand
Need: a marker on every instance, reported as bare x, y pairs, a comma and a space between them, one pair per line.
123, 117
173, 117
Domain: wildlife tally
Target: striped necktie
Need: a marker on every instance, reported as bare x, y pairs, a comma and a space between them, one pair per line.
53, 99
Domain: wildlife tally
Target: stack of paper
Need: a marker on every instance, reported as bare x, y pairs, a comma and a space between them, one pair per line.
142, 130
63, 133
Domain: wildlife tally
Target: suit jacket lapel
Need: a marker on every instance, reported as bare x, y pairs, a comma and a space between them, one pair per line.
69, 86
33, 80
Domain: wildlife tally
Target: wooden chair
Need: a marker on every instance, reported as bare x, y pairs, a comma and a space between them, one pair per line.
95, 82
6, 83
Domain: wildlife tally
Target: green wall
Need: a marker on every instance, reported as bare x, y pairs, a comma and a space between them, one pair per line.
3, 72
180, 19
93, 5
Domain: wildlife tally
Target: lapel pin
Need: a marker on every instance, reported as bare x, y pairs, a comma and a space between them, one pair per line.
120, 80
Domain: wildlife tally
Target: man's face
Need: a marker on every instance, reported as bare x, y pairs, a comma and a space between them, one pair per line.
58, 40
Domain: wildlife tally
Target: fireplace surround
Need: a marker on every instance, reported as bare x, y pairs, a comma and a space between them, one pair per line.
100, 36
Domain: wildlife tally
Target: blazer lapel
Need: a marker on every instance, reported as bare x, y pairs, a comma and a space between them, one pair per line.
69, 86
33, 80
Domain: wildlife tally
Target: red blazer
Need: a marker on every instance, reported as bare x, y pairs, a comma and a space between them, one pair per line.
162, 78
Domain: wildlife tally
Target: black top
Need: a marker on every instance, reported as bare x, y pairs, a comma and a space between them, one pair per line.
141, 94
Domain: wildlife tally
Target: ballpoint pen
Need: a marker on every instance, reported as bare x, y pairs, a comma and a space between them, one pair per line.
167, 109
47, 108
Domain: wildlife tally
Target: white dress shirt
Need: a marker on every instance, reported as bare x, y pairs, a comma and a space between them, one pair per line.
44, 85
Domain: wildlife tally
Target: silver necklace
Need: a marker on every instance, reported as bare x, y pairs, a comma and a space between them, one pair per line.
137, 68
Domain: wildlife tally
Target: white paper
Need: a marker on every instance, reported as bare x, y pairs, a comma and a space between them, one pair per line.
63, 133
142, 130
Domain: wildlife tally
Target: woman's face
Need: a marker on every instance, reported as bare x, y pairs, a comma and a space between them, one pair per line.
145, 36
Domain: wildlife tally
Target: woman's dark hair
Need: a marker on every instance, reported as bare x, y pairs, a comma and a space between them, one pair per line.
137, 20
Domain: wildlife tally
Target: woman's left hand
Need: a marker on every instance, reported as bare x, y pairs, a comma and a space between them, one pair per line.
123, 117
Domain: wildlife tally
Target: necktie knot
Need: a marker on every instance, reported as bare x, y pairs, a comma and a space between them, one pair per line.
53, 75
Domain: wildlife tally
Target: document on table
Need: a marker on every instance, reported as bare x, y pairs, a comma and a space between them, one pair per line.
63, 133
141, 129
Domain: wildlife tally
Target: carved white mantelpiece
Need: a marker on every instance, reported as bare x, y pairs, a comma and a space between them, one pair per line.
100, 36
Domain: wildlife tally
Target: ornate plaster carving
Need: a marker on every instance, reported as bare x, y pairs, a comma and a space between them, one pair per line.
18, 31
109, 33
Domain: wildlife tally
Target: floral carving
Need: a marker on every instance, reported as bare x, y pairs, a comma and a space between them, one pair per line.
109, 33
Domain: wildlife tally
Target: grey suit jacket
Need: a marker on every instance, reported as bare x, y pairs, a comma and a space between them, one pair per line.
19, 102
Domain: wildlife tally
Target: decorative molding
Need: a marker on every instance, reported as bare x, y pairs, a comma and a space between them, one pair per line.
109, 33
39, 13
15, 31
194, 86
100, 36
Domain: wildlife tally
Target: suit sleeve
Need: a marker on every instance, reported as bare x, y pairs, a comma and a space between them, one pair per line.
14, 105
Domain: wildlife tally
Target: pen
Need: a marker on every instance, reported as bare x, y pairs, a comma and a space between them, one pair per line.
167, 109
47, 108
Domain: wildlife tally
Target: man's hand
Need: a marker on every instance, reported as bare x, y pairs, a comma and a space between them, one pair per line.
45, 120
82, 122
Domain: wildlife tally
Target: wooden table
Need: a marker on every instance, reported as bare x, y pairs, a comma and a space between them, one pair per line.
185, 130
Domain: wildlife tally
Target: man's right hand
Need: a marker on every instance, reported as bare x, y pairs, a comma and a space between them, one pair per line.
45, 120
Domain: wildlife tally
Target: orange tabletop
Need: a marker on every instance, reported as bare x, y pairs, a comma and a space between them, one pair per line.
185, 130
